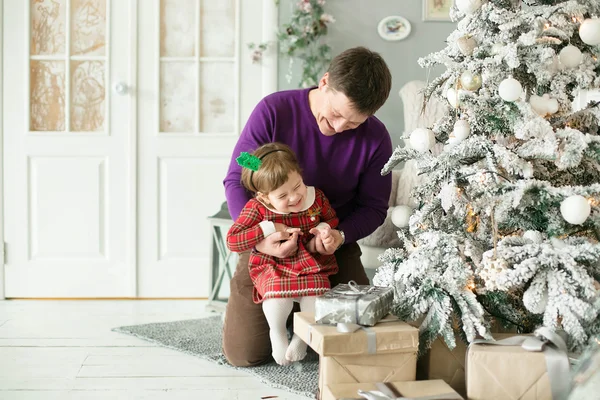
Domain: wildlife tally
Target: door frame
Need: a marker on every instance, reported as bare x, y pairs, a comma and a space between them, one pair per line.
2, 151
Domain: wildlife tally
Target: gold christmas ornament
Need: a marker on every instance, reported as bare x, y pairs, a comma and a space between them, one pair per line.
470, 81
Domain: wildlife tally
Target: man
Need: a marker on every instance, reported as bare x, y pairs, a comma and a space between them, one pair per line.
341, 148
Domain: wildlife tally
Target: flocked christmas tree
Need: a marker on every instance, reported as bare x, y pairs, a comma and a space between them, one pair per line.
507, 223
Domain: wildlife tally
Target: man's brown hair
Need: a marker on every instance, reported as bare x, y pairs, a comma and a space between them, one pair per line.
363, 76
277, 161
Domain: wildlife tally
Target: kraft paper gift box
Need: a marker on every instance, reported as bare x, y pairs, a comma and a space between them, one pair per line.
506, 372
439, 362
387, 354
411, 390
352, 303
532, 367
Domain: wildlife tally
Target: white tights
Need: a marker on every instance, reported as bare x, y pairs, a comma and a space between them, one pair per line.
277, 311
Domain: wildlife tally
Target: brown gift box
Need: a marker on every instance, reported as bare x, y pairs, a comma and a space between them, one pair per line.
506, 372
406, 389
442, 363
345, 357
391, 337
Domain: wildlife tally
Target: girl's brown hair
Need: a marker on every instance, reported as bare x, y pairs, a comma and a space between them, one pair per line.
277, 161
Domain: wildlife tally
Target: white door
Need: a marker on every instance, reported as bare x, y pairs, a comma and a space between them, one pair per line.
196, 88
67, 138
119, 120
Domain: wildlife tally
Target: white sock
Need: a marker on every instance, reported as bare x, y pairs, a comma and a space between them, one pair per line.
277, 311
296, 351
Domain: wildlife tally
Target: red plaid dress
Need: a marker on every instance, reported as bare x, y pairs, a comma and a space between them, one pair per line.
303, 274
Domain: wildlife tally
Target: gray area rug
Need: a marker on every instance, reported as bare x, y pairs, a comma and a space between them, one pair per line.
202, 338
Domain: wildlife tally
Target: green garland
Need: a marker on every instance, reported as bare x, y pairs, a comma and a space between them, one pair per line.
302, 38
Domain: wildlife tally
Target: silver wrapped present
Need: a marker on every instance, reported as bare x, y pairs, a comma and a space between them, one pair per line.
356, 304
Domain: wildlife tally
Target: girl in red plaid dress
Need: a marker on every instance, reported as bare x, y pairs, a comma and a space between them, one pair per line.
283, 203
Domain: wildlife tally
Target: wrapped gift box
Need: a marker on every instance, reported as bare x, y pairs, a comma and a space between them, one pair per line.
351, 303
506, 372
439, 362
406, 389
384, 353
394, 336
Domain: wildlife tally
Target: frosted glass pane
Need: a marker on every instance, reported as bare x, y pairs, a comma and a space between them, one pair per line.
88, 102
177, 28
177, 96
88, 27
47, 96
217, 22
217, 94
48, 26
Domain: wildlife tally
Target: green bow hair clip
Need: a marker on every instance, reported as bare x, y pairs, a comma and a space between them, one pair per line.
249, 161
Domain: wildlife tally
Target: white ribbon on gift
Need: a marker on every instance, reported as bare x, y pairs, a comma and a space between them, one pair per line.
349, 328
555, 352
387, 392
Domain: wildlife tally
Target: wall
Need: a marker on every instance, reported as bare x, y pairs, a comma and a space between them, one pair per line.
356, 25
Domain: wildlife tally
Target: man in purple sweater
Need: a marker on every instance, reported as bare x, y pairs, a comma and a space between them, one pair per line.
341, 148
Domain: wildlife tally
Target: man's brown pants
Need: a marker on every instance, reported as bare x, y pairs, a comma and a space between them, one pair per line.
246, 339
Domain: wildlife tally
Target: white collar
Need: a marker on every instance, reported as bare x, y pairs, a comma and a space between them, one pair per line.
308, 201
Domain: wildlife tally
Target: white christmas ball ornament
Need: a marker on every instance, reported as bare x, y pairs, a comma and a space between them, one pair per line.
510, 89
462, 130
422, 139
452, 96
570, 56
401, 216
468, 6
575, 209
534, 236
589, 31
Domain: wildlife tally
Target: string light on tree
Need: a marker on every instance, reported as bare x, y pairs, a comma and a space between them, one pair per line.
570, 56
422, 139
510, 89
589, 31
575, 209
401, 216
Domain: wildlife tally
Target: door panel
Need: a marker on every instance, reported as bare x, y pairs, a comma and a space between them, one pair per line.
66, 151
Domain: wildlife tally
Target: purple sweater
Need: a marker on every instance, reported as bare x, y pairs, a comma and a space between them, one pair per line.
346, 166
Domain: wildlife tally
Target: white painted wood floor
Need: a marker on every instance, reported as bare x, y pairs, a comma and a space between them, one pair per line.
52, 350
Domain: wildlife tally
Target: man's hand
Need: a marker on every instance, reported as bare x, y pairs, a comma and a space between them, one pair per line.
280, 244
327, 240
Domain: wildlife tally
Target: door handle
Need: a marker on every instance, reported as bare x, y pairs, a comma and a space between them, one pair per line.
121, 88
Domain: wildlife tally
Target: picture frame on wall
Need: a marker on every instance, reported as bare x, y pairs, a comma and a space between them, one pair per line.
437, 10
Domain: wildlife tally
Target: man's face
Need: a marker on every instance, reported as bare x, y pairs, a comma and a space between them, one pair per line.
336, 113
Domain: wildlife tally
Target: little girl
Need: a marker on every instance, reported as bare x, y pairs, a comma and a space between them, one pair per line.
283, 203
